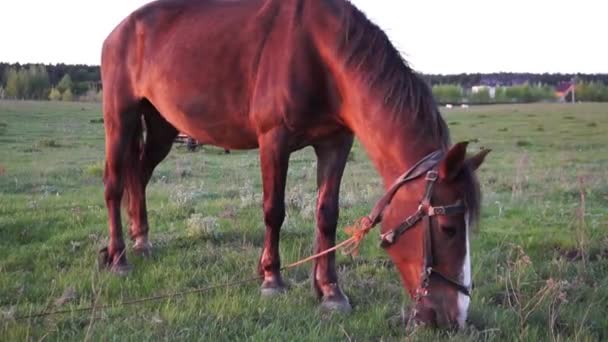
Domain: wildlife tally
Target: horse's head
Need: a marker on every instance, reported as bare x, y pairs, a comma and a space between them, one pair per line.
426, 232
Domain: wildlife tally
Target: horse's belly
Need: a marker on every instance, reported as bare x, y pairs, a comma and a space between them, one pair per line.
227, 136
224, 131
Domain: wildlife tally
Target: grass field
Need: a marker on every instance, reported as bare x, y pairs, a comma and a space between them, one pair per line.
540, 257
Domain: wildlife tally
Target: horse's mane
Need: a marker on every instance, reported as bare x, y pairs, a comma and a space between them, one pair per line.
366, 49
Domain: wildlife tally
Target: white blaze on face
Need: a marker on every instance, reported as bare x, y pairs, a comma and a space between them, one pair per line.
465, 279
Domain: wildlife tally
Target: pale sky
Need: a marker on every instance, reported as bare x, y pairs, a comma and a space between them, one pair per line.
447, 36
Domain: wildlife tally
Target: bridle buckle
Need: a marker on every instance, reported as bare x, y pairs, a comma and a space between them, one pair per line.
388, 238
432, 176
434, 211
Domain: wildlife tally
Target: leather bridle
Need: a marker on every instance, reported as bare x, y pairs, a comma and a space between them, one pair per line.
426, 212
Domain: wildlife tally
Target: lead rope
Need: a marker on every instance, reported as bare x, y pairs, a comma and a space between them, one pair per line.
357, 232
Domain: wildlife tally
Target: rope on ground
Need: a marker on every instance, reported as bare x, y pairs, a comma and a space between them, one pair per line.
351, 245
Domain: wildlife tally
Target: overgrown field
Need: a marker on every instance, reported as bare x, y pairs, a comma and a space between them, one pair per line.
540, 257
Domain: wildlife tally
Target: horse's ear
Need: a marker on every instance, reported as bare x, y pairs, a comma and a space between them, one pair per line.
475, 161
453, 162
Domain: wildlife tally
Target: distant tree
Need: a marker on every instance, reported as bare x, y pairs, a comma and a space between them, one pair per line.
595, 91
13, 86
448, 93
55, 95
65, 84
27, 83
2, 92
67, 95
481, 96
500, 96
38, 83
23, 81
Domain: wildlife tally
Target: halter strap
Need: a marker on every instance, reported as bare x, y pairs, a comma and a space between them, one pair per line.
424, 165
425, 213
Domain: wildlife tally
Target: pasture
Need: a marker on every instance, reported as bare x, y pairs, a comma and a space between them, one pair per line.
540, 257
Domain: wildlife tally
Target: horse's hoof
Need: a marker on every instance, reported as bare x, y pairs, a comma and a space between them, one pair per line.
340, 306
272, 288
334, 300
104, 262
142, 247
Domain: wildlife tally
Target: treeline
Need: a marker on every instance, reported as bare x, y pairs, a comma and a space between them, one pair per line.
83, 82
509, 79
594, 91
50, 82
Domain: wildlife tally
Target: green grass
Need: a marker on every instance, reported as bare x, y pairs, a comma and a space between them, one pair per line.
539, 260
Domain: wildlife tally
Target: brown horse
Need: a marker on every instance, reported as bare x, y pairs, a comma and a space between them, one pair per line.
280, 75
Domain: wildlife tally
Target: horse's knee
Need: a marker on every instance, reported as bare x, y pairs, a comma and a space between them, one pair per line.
113, 190
327, 218
274, 214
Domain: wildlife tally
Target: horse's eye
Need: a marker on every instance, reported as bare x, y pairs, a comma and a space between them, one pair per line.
449, 231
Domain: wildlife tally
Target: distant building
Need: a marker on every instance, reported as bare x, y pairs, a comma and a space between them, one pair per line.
491, 90
564, 92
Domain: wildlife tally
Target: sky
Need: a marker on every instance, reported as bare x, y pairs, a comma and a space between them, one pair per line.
447, 36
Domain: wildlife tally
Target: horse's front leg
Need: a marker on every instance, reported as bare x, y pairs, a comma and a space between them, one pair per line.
331, 160
274, 159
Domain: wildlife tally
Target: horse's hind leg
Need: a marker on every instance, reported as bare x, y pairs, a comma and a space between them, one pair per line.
331, 155
159, 138
122, 130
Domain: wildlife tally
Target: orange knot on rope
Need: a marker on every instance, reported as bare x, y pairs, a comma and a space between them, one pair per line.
357, 232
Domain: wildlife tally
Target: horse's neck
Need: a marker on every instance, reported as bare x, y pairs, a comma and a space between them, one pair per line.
394, 140
392, 137
392, 145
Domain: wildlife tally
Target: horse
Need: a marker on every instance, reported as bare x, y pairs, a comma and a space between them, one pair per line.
278, 76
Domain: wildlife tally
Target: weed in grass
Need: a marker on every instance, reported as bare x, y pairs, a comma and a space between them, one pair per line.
94, 170
206, 227
454, 123
96, 121
248, 195
68, 295
580, 226
521, 176
48, 143
524, 297
592, 124
187, 196
504, 129
569, 117
523, 143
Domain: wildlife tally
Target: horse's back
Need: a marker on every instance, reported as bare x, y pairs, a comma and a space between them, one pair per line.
194, 61
222, 71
